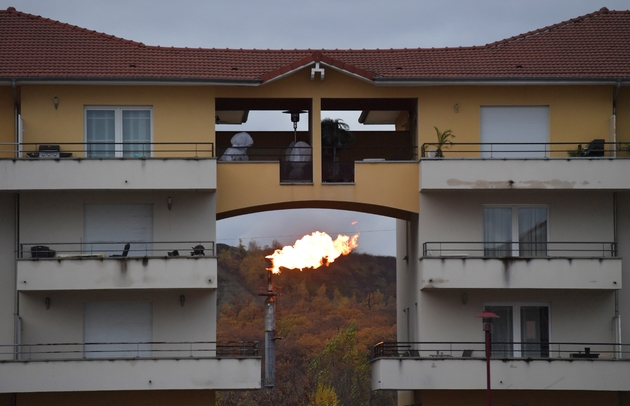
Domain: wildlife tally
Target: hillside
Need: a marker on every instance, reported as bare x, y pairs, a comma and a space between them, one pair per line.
349, 305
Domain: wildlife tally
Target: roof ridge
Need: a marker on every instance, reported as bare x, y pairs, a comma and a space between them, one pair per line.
73, 27
548, 28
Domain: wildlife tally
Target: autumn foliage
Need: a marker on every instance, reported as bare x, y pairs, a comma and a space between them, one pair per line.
328, 320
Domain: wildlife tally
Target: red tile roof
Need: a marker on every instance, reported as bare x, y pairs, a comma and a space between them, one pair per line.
595, 46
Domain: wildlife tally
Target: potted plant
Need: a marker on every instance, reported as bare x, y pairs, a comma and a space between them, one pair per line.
335, 135
578, 152
443, 141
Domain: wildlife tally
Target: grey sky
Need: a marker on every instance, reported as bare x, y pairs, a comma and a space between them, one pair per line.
293, 24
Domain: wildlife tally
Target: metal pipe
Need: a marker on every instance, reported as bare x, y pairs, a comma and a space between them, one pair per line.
617, 316
270, 333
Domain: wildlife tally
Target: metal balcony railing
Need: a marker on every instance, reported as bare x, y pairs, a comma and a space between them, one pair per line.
304, 154
523, 150
503, 249
93, 150
502, 350
115, 249
115, 350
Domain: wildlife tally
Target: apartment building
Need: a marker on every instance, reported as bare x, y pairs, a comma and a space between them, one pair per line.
108, 200
526, 218
117, 162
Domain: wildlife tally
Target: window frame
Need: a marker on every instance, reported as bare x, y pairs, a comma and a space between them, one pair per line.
515, 230
118, 127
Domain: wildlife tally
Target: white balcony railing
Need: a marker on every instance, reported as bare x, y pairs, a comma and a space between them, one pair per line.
158, 166
461, 366
545, 265
70, 367
602, 173
102, 266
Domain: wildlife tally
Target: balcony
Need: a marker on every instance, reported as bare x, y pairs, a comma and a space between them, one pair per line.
72, 166
79, 367
256, 183
557, 166
461, 366
102, 266
467, 265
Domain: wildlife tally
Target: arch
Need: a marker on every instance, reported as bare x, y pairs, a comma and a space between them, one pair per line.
319, 204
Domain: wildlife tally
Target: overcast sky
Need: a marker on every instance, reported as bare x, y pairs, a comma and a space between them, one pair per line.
294, 24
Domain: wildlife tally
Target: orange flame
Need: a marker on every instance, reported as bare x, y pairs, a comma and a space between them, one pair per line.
312, 251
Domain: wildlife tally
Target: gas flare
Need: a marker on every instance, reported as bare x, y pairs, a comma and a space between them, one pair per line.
312, 251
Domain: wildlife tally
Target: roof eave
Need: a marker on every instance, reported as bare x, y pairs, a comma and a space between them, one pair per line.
511, 81
130, 81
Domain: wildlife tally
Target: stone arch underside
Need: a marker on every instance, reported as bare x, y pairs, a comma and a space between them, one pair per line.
319, 204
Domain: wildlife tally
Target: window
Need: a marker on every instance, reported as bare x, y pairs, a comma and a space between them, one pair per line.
530, 322
108, 227
118, 131
514, 124
504, 225
109, 323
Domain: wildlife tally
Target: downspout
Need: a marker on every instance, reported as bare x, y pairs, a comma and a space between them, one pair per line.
614, 117
16, 135
617, 91
617, 317
17, 326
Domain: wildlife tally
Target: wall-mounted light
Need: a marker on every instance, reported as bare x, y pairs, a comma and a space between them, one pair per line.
47, 303
456, 108
182, 300
56, 102
169, 203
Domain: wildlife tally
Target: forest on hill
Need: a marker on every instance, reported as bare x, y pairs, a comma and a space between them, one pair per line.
328, 320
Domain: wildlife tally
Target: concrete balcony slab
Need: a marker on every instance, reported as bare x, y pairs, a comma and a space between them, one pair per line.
531, 174
525, 374
197, 272
79, 375
520, 273
110, 174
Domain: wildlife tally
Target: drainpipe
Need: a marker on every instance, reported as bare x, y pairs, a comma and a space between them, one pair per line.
617, 91
617, 317
17, 322
15, 115
17, 325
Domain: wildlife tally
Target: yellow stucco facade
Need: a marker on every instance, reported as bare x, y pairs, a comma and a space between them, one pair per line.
187, 114
180, 114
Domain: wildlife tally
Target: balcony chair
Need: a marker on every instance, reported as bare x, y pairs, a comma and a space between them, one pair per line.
198, 251
595, 148
124, 253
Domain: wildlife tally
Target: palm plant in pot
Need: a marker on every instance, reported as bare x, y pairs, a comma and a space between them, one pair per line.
443, 141
335, 135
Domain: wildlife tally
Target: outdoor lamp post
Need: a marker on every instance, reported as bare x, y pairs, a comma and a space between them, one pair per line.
487, 327
295, 118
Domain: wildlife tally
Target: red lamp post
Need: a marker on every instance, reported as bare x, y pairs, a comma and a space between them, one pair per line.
487, 327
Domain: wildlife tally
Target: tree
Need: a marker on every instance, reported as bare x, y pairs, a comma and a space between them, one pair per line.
325, 396
335, 135
341, 367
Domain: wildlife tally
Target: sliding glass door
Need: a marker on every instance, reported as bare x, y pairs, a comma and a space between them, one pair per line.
529, 323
